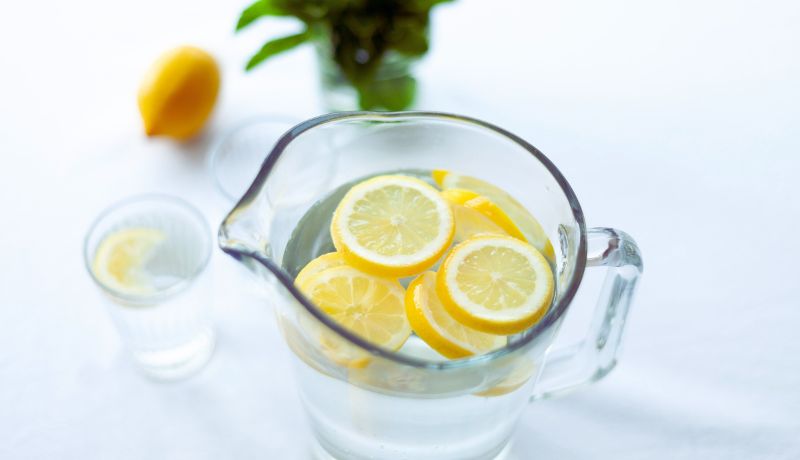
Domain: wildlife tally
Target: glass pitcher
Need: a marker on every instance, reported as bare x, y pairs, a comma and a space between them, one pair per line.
412, 404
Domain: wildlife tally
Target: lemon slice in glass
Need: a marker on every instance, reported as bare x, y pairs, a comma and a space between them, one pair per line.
495, 284
369, 306
436, 326
392, 226
122, 256
527, 224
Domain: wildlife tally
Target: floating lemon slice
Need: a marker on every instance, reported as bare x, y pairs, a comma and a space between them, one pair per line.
495, 220
519, 376
436, 326
369, 306
470, 222
527, 224
335, 347
495, 284
392, 226
121, 257
323, 262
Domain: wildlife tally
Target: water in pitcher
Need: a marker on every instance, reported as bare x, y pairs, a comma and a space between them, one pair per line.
375, 425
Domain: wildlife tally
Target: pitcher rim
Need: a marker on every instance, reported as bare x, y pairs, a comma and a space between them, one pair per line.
551, 317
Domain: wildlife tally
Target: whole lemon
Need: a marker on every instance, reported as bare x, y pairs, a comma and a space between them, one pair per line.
178, 93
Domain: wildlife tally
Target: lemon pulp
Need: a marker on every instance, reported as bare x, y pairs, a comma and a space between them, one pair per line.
433, 324
121, 258
392, 226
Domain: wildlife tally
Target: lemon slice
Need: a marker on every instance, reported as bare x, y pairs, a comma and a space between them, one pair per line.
369, 306
121, 257
470, 222
493, 215
528, 225
323, 262
521, 374
335, 347
392, 226
495, 284
437, 328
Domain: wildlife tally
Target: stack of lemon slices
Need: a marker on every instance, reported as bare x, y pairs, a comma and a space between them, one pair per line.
493, 276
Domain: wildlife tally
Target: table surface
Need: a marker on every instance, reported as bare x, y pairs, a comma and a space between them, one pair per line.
676, 122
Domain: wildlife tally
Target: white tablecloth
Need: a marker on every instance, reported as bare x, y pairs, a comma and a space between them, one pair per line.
675, 121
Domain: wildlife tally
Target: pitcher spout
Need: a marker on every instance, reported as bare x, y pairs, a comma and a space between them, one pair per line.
244, 234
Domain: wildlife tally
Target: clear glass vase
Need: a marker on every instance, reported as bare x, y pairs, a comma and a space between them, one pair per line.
392, 87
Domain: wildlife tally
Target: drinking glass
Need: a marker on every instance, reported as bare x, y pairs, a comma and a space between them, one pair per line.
235, 159
412, 404
166, 326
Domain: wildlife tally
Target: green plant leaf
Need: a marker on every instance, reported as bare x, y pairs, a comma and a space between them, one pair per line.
277, 46
409, 36
257, 10
424, 5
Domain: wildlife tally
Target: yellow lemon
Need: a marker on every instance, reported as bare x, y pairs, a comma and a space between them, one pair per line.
520, 375
492, 213
436, 326
515, 211
369, 306
470, 222
335, 347
392, 226
495, 284
178, 93
120, 259
323, 262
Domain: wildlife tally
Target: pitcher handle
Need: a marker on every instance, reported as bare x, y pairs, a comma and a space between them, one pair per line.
570, 367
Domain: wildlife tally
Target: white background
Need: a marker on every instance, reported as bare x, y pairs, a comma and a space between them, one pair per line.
675, 121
